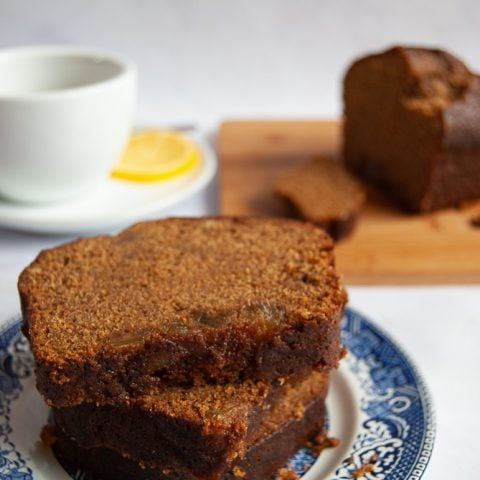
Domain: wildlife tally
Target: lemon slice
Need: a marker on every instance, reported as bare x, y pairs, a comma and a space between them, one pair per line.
156, 155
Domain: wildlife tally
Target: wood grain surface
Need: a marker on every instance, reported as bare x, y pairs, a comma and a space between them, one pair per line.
388, 245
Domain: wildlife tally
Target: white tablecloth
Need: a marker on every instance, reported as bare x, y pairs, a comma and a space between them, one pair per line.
438, 326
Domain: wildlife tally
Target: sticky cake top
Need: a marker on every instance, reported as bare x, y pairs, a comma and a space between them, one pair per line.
177, 278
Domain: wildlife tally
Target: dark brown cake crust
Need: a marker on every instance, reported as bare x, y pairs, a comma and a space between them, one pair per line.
412, 126
146, 434
260, 462
323, 192
181, 301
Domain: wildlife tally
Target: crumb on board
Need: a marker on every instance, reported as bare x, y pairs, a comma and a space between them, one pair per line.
287, 474
48, 435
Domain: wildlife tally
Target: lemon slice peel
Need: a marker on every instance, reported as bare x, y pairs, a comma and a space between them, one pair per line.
155, 155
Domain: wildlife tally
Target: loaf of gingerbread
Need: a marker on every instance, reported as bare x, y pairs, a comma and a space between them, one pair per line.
412, 126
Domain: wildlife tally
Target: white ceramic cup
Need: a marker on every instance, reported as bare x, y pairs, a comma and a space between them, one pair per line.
65, 117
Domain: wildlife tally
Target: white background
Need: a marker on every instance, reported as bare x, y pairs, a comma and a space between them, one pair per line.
203, 61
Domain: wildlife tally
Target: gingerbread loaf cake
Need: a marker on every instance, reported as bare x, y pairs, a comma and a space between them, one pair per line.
181, 301
324, 193
199, 429
412, 126
295, 418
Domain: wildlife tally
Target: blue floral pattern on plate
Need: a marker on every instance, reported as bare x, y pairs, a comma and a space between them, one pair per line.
16, 363
393, 442
399, 431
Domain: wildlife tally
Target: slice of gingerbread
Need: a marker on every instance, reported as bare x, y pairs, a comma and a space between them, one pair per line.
325, 193
201, 430
181, 301
294, 419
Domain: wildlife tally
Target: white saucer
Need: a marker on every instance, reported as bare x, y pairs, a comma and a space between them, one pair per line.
113, 203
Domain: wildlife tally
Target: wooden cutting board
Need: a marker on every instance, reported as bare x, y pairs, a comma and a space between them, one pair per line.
388, 246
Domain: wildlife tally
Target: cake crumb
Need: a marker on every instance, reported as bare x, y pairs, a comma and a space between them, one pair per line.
321, 442
48, 435
238, 472
475, 221
287, 474
361, 471
298, 411
373, 458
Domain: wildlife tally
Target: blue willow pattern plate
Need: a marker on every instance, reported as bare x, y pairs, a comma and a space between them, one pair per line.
378, 407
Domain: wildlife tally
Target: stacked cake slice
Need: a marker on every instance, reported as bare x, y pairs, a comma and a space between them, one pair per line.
185, 348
